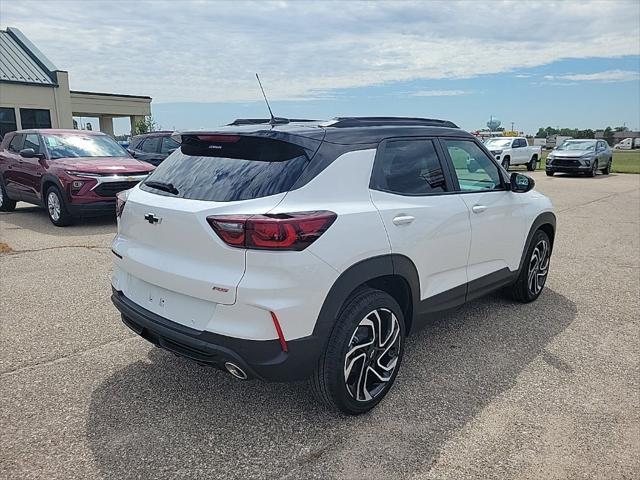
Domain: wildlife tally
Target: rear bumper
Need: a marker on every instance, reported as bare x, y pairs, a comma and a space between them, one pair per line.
92, 209
262, 359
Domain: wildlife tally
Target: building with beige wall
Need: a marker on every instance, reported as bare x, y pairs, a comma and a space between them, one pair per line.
35, 94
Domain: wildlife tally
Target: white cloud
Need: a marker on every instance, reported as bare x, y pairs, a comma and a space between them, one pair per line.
607, 76
209, 51
440, 93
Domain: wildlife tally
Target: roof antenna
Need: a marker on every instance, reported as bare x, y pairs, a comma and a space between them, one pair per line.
274, 120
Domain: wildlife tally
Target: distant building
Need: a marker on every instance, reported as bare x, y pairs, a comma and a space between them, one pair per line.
618, 136
35, 94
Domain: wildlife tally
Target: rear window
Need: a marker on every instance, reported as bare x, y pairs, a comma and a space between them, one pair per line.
229, 168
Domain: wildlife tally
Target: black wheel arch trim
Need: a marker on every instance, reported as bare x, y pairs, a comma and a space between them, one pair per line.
545, 218
359, 274
49, 178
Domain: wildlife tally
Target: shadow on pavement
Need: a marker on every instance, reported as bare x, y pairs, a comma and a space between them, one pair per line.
36, 219
166, 417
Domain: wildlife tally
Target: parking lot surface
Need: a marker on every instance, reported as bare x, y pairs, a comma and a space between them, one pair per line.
492, 390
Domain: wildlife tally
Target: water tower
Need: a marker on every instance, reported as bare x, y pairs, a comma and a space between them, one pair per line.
493, 124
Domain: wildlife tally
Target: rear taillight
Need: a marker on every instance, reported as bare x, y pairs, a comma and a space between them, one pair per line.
121, 199
283, 231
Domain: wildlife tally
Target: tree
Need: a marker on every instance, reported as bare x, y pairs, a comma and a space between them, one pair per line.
146, 125
608, 135
623, 128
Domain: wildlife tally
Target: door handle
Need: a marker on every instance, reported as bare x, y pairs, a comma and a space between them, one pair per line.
478, 208
403, 219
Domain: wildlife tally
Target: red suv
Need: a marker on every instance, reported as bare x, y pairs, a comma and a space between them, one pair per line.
72, 173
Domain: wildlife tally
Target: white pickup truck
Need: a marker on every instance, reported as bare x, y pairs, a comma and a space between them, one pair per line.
514, 151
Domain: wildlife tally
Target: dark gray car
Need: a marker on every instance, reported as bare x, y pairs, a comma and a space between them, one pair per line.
580, 156
152, 147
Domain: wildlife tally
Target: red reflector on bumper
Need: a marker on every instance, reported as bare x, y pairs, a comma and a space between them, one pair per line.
276, 323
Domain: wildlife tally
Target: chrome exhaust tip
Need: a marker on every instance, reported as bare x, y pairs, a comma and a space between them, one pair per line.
235, 370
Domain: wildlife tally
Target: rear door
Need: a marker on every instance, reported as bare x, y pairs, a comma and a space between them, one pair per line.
425, 220
498, 228
168, 248
520, 152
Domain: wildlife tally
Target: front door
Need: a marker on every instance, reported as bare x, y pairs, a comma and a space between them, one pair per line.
497, 224
31, 169
411, 188
12, 174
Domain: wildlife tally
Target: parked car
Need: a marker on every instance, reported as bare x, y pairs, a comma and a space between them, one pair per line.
152, 147
628, 144
580, 156
290, 251
514, 151
554, 141
72, 173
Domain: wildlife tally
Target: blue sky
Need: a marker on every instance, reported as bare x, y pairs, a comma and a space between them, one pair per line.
573, 64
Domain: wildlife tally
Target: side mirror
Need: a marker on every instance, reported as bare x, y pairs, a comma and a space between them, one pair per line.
30, 153
521, 183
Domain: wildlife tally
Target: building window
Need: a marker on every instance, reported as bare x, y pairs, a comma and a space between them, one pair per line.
7, 121
34, 118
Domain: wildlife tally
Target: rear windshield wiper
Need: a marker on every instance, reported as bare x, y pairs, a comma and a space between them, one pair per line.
166, 187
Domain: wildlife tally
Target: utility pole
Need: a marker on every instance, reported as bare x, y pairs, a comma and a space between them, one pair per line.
512, 126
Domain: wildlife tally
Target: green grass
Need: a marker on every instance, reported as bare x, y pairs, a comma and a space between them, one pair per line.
624, 161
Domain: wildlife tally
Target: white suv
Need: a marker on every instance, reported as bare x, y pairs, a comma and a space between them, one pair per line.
307, 250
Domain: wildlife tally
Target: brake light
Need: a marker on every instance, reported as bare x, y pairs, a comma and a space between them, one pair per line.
121, 199
283, 231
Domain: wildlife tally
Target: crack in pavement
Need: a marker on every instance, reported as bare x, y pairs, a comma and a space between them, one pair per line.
595, 201
31, 250
75, 353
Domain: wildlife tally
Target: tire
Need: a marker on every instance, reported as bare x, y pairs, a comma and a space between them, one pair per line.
56, 207
533, 276
594, 169
505, 163
550, 174
6, 204
531, 166
607, 170
337, 380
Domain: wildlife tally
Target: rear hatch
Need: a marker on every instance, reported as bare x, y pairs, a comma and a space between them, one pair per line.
169, 249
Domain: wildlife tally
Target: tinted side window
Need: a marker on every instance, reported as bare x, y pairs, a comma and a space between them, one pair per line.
168, 143
16, 143
151, 145
134, 143
409, 167
473, 168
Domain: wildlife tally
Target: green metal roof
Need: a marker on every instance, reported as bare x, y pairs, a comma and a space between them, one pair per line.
22, 62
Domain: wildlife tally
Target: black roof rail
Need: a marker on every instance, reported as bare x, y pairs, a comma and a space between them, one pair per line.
260, 121
345, 122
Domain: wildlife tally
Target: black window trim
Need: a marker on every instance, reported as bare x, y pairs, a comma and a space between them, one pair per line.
504, 176
377, 165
